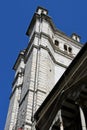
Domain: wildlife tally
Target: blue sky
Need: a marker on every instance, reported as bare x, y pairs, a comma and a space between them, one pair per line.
15, 15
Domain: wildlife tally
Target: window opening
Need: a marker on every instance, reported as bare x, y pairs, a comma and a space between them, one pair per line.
65, 47
56, 43
70, 49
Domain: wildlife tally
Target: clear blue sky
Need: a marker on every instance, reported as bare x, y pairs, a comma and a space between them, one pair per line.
15, 15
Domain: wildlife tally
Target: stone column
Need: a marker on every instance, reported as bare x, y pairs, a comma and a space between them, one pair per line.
83, 122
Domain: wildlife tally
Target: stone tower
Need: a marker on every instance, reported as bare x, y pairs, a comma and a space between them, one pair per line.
38, 68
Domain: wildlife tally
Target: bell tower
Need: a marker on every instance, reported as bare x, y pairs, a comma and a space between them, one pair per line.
38, 68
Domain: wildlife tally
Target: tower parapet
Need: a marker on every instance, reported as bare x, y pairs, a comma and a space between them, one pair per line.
41, 10
76, 37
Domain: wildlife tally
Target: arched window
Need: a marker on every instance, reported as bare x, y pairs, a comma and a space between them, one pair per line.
70, 49
56, 43
65, 47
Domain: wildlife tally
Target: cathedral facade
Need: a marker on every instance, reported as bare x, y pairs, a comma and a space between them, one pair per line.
38, 68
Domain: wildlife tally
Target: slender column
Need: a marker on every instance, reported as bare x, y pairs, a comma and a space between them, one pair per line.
83, 122
61, 121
